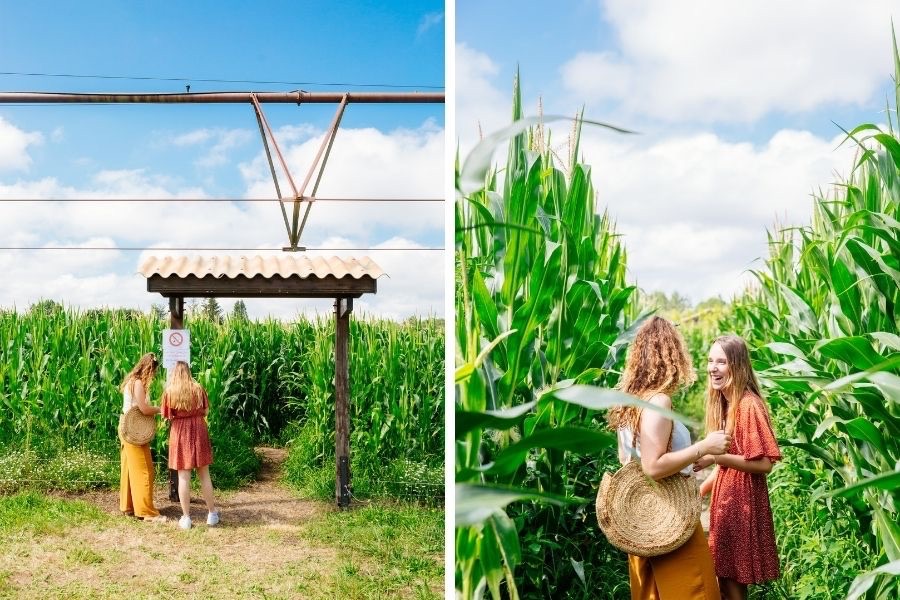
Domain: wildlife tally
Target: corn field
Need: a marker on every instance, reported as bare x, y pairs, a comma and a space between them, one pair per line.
542, 309
543, 314
824, 319
60, 373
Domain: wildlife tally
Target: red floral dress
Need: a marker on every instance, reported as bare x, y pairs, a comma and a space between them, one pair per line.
189, 446
741, 531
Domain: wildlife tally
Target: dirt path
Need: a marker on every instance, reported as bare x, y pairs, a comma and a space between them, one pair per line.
258, 548
262, 502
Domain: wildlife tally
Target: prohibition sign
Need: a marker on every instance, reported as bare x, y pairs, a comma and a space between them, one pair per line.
175, 338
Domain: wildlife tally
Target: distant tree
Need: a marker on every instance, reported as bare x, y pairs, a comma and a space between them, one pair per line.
191, 307
667, 306
239, 312
159, 311
211, 310
46, 307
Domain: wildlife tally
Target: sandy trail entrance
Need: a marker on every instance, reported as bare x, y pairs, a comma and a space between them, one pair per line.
257, 550
262, 502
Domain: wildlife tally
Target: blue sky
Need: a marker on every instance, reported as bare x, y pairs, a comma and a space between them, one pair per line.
736, 103
215, 150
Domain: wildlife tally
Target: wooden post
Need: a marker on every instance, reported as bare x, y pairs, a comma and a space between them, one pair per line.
342, 309
176, 321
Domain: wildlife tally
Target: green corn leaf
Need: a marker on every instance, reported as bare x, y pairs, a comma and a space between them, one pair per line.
816, 452
864, 581
856, 351
478, 162
863, 430
596, 398
467, 421
476, 503
888, 384
785, 348
573, 439
842, 383
890, 340
883, 481
806, 318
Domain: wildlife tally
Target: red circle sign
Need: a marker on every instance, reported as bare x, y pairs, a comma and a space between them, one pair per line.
176, 338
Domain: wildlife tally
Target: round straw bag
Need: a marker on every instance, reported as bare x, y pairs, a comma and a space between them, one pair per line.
645, 517
137, 428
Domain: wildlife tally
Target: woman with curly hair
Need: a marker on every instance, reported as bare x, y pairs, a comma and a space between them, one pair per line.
136, 483
741, 530
657, 365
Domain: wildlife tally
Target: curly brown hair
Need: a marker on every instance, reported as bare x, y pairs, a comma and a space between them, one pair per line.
144, 371
658, 362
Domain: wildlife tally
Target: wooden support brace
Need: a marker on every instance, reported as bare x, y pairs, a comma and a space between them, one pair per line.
342, 310
176, 321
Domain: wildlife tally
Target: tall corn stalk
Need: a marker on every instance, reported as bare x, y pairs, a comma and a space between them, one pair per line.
825, 318
541, 305
60, 371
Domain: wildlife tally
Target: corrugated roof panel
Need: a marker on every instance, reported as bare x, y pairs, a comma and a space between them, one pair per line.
284, 265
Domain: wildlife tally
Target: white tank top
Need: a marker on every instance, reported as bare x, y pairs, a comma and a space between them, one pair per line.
681, 438
127, 400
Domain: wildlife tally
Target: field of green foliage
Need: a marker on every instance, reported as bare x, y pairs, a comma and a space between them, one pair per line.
543, 308
269, 382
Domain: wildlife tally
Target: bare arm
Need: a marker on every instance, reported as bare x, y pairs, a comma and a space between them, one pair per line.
139, 395
655, 432
736, 461
707, 485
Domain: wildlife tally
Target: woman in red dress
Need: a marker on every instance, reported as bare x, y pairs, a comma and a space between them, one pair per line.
741, 531
185, 404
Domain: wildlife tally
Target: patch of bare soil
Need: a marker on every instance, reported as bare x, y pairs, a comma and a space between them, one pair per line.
255, 549
262, 502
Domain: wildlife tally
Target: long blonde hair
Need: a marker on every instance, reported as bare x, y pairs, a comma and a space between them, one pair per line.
144, 371
182, 391
721, 405
657, 362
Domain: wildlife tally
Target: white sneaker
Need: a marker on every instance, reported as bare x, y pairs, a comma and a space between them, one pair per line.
212, 519
184, 522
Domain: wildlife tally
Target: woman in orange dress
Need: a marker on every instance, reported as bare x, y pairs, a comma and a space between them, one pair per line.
741, 531
185, 404
657, 365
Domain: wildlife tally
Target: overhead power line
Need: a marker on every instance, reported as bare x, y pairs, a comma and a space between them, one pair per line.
184, 249
210, 80
201, 200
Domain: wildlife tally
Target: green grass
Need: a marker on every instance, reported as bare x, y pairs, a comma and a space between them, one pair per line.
54, 549
33, 513
384, 549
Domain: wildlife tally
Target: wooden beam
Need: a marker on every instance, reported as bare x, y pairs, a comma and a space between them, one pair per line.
260, 286
176, 321
342, 309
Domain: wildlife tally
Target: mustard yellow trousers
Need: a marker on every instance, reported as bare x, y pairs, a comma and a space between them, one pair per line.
686, 573
136, 483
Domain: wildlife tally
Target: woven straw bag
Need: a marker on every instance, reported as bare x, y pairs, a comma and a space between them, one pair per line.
137, 428
645, 517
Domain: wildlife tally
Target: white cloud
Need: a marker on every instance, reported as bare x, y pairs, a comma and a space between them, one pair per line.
223, 141
365, 163
191, 138
428, 21
14, 145
714, 61
694, 209
479, 104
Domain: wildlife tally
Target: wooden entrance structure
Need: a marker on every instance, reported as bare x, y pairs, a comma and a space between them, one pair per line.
284, 276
